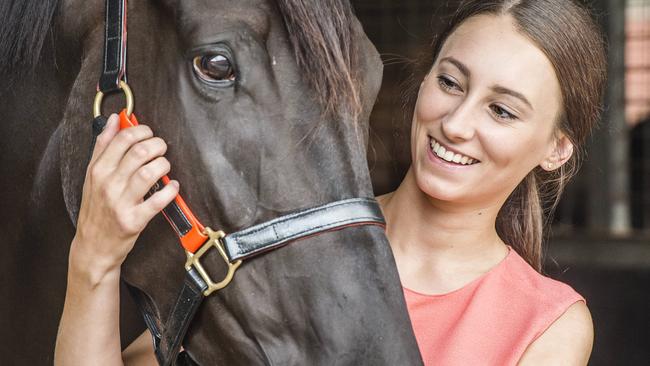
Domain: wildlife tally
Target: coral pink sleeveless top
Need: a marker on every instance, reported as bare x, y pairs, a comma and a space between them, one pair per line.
491, 320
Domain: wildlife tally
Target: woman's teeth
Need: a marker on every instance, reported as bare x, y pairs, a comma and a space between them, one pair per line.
449, 156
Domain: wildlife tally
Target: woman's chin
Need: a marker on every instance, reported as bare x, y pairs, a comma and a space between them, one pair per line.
440, 191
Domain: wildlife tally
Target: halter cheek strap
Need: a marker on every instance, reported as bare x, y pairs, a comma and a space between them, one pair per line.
114, 61
187, 227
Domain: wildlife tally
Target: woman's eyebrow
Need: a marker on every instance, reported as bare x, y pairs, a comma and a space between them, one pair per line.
497, 88
503, 90
463, 69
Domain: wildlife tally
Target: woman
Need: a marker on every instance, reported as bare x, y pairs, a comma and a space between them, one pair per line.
512, 94
514, 89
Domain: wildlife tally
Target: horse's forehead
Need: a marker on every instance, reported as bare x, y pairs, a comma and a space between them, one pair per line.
203, 17
193, 16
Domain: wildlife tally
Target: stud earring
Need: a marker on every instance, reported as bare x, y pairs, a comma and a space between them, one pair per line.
549, 166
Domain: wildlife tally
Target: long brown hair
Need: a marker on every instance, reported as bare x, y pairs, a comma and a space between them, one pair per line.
567, 33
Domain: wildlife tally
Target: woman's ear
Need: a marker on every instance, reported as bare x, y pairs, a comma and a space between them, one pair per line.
560, 153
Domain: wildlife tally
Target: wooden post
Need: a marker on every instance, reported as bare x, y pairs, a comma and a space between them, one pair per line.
619, 194
608, 164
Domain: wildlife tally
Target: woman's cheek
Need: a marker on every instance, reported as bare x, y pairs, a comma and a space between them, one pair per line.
520, 154
425, 110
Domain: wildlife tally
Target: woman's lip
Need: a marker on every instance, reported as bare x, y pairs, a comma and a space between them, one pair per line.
447, 148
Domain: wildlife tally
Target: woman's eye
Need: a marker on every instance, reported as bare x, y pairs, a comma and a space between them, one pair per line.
214, 68
448, 84
501, 113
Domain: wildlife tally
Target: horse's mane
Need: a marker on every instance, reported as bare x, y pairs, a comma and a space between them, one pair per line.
321, 34
24, 27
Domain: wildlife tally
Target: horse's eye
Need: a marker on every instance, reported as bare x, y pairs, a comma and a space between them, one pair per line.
214, 68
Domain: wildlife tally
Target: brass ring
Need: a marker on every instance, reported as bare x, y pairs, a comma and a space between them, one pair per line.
97, 105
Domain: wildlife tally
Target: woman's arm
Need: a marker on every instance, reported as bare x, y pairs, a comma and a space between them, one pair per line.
568, 341
124, 165
140, 352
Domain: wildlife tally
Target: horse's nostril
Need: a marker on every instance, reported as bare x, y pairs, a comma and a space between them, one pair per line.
214, 68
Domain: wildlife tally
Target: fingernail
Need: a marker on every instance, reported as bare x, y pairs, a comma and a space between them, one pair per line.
174, 183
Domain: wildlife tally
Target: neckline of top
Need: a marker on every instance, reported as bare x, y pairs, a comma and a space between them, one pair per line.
468, 285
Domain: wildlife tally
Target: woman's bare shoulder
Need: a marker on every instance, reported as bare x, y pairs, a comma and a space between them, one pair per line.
568, 341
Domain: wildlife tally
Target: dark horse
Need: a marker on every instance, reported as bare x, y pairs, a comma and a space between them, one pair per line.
265, 109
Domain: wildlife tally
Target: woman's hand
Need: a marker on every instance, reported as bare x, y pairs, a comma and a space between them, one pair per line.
124, 166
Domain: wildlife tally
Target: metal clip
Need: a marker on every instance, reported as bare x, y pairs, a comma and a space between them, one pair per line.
193, 261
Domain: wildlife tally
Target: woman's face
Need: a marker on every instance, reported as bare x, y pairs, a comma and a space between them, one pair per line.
485, 114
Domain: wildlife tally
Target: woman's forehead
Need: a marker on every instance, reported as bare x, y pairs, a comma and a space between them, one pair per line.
494, 51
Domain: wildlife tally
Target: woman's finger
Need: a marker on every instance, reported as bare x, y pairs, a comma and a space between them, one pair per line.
146, 210
138, 155
121, 143
105, 137
145, 177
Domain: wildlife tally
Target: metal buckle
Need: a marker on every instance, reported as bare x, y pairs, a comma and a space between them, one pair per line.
193, 261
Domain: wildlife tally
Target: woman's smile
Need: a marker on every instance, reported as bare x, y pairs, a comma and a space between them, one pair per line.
443, 157
449, 155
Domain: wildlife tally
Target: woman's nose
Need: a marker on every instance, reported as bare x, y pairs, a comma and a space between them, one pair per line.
458, 125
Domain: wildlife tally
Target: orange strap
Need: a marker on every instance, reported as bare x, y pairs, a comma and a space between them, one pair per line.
177, 213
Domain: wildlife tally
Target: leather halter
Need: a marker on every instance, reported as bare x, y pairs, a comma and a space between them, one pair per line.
194, 237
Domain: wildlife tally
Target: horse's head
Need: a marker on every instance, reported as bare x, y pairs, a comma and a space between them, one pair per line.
265, 107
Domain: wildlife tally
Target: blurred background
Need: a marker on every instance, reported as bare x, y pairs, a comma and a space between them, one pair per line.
600, 238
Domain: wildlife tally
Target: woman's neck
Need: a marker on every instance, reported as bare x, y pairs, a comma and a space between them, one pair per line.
432, 238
